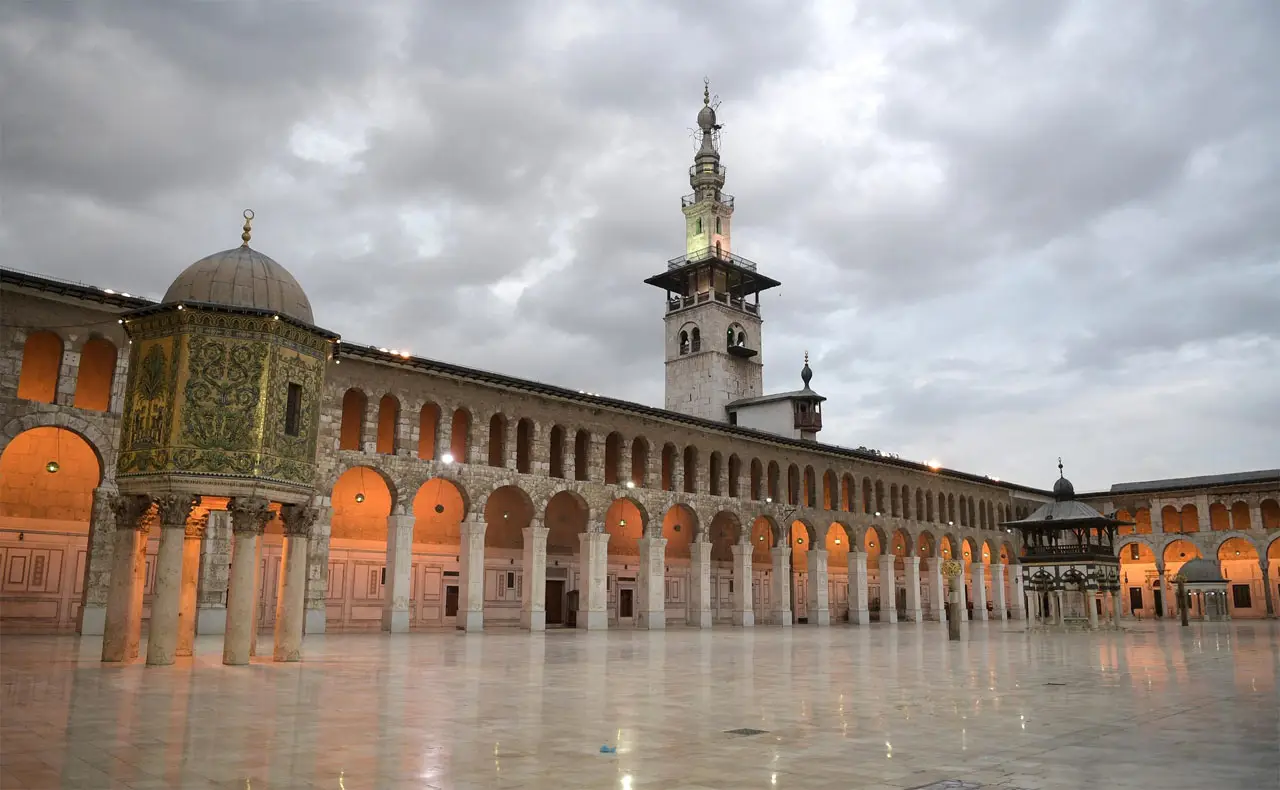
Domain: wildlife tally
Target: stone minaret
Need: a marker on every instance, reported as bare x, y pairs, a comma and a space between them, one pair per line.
713, 305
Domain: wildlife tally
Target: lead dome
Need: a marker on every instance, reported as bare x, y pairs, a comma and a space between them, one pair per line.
242, 277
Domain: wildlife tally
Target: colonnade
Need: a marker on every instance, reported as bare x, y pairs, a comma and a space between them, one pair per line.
176, 596
593, 557
1048, 607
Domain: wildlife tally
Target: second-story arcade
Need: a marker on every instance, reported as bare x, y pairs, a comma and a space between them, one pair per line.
713, 325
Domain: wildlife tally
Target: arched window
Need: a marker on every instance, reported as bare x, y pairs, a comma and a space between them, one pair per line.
718, 225
41, 361
698, 225
97, 368
718, 251
684, 343
695, 340
388, 417
351, 434
742, 338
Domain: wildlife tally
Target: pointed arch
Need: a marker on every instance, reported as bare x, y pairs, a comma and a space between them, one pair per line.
41, 364
388, 419
351, 429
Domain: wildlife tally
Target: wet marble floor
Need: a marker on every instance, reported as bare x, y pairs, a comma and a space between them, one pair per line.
880, 707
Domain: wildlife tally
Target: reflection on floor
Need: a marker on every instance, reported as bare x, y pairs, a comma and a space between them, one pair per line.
880, 707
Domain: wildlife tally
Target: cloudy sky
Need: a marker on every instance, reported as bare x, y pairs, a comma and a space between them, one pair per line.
1005, 233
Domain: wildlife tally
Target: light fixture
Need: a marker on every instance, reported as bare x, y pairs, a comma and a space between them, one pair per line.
877, 512
179, 307
447, 458
631, 484
872, 544
52, 467
506, 515
761, 537
951, 523
799, 541
275, 318
359, 496
360, 492
837, 541
622, 522
769, 499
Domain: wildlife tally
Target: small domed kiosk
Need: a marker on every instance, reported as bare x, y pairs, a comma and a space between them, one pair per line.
1205, 589
222, 400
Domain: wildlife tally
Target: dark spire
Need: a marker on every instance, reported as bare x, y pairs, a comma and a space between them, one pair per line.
1063, 491
806, 375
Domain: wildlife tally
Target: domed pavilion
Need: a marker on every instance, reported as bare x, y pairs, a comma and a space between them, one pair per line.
222, 400
1069, 563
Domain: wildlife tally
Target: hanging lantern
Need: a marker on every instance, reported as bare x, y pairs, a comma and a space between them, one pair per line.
52, 467
359, 496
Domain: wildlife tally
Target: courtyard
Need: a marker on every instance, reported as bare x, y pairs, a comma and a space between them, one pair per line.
882, 707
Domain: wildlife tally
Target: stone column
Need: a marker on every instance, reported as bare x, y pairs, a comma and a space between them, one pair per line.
471, 577
122, 617
915, 612
1019, 594
318, 572
743, 613
699, 584
214, 573
593, 600
997, 591
888, 590
98, 563
858, 613
781, 614
1267, 593
651, 584
191, 545
1117, 606
937, 589
819, 598
1091, 603
395, 603
533, 603
249, 516
979, 571
166, 601
291, 605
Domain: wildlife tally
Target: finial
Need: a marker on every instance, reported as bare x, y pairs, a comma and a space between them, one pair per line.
1060, 466
706, 91
806, 375
806, 356
248, 221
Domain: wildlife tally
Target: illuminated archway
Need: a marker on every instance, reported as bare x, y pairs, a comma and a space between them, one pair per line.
361, 503
49, 473
438, 511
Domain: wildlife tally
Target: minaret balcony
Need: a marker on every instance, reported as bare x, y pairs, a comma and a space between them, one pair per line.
708, 169
711, 254
723, 198
676, 303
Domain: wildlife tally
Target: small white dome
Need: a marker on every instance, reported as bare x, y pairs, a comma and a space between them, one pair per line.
241, 277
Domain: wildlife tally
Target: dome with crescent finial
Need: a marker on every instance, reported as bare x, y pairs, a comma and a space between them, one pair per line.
707, 115
1063, 491
242, 277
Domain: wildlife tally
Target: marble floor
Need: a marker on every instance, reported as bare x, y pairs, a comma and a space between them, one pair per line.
880, 707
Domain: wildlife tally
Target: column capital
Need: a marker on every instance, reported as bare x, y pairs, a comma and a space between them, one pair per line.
909, 561
298, 520
817, 552
469, 528
593, 537
129, 509
174, 509
196, 525
249, 515
538, 533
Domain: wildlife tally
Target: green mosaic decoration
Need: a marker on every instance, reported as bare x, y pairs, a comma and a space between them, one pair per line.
207, 397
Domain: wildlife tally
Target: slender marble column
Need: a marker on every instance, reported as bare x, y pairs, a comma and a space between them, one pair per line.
214, 574
1091, 603
318, 572
162, 636
471, 577
1267, 592
699, 584
98, 563
781, 614
1117, 605
122, 618
1019, 594
194, 537
395, 603
888, 590
998, 606
819, 598
912, 575
743, 613
858, 612
291, 606
249, 516
937, 589
979, 571
533, 603
651, 587
593, 601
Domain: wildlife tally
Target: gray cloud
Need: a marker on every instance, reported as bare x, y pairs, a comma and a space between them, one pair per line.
1006, 231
